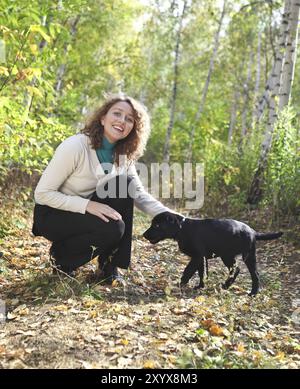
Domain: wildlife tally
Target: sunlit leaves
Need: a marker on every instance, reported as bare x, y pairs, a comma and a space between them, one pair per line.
41, 31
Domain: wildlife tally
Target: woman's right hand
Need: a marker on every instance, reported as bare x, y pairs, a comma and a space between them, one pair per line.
102, 210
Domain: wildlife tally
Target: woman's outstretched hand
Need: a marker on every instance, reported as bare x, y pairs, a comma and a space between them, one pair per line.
102, 210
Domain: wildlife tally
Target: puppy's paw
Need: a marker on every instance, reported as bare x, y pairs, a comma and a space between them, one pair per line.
200, 286
183, 285
253, 293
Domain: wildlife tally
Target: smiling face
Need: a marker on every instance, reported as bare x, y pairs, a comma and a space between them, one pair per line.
118, 121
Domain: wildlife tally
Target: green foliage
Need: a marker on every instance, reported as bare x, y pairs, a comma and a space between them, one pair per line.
283, 175
49, 71
61, 57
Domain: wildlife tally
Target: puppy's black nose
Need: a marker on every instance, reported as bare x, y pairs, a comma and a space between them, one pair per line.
145, 234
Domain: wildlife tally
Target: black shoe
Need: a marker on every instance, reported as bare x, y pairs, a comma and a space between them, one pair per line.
59, 269
111, 275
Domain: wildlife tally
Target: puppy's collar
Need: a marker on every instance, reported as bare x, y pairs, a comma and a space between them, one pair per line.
177, 234
181, 223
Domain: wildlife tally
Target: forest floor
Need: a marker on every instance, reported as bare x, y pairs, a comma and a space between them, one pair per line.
56, 322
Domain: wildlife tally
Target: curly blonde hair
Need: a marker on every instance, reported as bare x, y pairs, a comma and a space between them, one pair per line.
134, 145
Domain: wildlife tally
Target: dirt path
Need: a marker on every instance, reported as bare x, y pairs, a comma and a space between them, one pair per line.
56, 322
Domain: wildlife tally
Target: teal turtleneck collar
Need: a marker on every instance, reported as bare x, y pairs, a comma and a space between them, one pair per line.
106, 152
106, 145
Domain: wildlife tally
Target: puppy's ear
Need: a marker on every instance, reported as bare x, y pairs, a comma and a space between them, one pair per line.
171, 218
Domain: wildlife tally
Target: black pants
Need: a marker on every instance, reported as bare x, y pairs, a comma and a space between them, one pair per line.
78, 238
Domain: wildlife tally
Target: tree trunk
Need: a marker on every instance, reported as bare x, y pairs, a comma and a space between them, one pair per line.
257, 77
290, 56
28, 99
246, 98
232, 117
288, 20
206, 86
277, 66
166, 152
62, 68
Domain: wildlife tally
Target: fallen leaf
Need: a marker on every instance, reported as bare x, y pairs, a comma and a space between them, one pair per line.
149, 364
240, 348
19, 308
11, 316
26, 333
60, 308
216, 330
93, 314
164, 336
207, 323
280, 355
198, 352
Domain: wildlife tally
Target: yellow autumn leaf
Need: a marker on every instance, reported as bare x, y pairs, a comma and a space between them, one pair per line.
41, 31
4, 28
149, 364
257, 354
115, 283
216, 330
93, 314
24, 311
269, 336
167, 291
125, 342
88, 303
46, 120
245, 308
35, 91
33, 48
60, 308
19, 308
172, 358
200, 299
271, 303
280, 355
240, 348
4, 70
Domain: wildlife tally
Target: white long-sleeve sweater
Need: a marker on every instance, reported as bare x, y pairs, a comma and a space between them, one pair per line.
74, 173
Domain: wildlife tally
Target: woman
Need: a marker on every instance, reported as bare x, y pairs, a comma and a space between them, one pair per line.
75, 206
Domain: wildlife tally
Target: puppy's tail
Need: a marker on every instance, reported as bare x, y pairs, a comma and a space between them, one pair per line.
268, 236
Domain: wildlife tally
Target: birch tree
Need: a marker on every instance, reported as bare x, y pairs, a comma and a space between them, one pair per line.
233, 117
290, 56
257, 77
276, 71
62, 68
246, 97
166, 152
207, 81
285, 53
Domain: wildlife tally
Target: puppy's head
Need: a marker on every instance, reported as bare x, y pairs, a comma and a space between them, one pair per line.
164, 225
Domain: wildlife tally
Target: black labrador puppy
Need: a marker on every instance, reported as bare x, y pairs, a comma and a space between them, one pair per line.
207, 238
